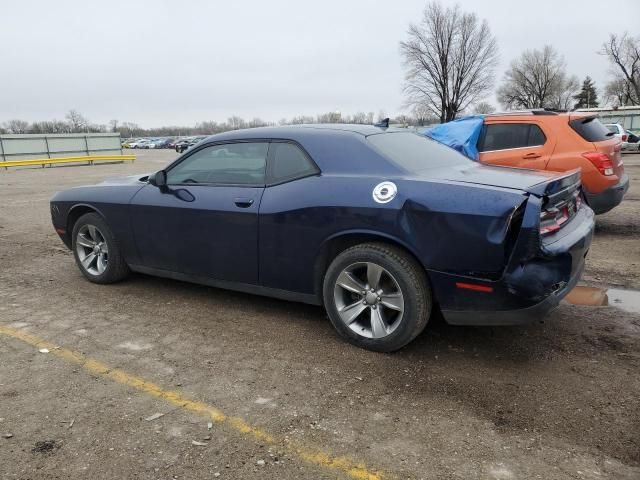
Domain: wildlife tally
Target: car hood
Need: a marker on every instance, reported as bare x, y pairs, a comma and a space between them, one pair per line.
539, 182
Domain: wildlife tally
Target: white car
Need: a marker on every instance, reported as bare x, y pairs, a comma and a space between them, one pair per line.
140, 144
619, 131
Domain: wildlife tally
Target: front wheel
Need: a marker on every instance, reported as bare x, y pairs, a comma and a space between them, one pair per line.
377, 296
96, 251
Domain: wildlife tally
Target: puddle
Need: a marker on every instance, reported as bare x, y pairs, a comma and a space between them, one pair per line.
627, 300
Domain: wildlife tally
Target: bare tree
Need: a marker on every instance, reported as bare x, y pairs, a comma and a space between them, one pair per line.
562, 99
236, 123
423, 115
77, 121
17, 126
624, 54
618, 92
359, 117
537, 80
329, 117
483, 108
50, 126
256, 122
450, 59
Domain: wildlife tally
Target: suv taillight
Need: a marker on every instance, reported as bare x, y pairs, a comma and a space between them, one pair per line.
601, 161
552, 219
624, 138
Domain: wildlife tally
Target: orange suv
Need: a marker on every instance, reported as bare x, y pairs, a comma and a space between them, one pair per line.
547, 140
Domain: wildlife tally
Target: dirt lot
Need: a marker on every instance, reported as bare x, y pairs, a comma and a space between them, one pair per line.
287, 398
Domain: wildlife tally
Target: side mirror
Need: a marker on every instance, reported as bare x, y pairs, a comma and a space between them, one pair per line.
158, 179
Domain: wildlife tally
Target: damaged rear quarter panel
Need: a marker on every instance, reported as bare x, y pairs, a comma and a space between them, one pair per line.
459, 228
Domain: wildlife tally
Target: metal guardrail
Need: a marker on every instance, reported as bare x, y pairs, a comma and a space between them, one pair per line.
51, 161
20, 150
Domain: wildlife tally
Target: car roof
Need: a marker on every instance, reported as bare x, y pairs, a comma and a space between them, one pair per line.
336, 148
294, 130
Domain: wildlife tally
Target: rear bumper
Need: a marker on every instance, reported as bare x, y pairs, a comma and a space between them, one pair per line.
533, 288
611, 197
521, 316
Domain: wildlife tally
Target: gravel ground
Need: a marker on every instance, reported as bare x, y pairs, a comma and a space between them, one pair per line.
559, 399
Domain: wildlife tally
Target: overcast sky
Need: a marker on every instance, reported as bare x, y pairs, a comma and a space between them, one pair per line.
160, 62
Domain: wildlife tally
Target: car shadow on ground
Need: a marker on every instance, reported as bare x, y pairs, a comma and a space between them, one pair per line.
519, 344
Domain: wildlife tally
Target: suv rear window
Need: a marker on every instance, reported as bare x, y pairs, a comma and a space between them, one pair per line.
590, 129
413, 152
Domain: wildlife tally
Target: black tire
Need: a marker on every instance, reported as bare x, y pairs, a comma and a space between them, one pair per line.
116, 268
408, 275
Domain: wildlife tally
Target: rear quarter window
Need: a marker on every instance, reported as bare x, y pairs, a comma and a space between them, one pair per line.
413, 152
591, 129
288, 162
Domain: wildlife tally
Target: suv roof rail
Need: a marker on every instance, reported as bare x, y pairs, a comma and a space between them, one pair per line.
529, 111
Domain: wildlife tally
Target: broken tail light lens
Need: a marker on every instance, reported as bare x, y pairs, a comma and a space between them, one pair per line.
601, 161
552, 219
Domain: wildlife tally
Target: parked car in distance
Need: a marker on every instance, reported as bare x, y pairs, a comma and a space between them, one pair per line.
155, 143
127, 143
181, 145
174, 142
165, 142
144, 143
619, 131
633, 142
190, 142
562, 142
379, 225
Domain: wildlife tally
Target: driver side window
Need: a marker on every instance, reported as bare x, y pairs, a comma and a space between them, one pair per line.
227, 164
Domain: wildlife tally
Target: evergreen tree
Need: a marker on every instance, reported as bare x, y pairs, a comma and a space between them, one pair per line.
588, 96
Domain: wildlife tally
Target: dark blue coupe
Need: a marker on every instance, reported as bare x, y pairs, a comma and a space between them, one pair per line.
379, 225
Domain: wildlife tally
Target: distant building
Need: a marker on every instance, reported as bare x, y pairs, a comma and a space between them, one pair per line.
628, 117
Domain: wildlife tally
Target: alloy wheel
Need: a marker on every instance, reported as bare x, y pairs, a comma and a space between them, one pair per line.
92, 249
369, 300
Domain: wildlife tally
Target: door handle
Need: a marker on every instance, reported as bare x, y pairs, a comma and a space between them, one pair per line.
243, 202
531, 155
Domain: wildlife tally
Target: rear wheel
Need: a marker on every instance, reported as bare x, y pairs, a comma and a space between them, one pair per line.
96, 251
377, 296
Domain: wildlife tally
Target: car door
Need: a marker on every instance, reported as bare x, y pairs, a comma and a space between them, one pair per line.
515, 144
287, 229
204, 222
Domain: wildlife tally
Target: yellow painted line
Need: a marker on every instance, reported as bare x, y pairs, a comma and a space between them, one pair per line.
47, 161
316, 457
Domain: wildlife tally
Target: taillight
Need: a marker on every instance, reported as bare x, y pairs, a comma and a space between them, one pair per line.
601, 161
552, 219
624, 138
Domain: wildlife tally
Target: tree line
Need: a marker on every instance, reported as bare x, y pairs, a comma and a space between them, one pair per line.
75, 122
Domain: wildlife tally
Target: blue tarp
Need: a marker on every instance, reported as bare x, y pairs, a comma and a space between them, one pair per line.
461, 134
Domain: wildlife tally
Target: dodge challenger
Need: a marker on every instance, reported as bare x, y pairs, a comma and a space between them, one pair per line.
379, 225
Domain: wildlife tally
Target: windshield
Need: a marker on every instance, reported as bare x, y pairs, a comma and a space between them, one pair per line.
413, 152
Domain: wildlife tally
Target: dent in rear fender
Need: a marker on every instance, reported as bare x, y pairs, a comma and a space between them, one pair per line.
461, 229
